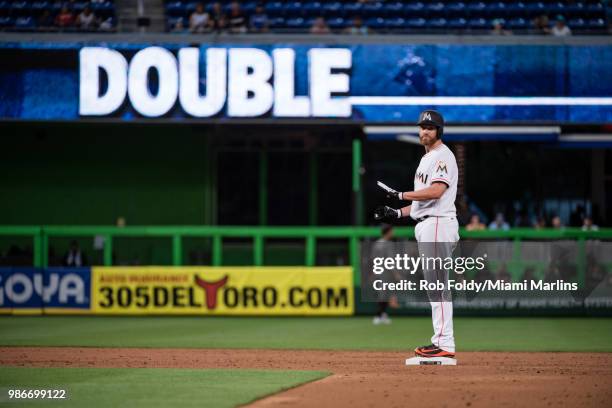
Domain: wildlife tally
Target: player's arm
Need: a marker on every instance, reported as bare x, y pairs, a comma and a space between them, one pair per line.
432, 192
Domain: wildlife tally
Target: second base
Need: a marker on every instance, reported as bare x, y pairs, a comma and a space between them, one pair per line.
431, 361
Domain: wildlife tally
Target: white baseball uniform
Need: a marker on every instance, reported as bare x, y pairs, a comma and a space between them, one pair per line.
438, 224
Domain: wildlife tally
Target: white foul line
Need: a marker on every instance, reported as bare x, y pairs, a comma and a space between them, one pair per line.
479, 100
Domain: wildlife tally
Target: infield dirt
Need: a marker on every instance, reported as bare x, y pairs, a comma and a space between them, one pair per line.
373, 379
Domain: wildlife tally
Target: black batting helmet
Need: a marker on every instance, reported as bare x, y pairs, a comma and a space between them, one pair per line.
432, 118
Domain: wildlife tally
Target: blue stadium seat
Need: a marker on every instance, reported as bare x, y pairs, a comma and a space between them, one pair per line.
577, 24
435, 9
39, 6
277, 22
332, 9
352, 9
173, 9
313, 9
457, 23
516, 8
518, 23
497, 9
249, 7
478, 23
190, 8
105, 9
57, 6
274, 8
395, 23
414, 9
20, 8
297, 23
372, 9
596, 24
456, 9
337, 23
78, 6
5, 7
535, 9
172, 21
416, 23
576, 8
437, 23
476, 8
595, 8
394, 8
6, 21
25, 23
293, 9
557, 8
375, 23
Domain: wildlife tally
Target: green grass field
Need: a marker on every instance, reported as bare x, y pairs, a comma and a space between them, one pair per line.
149, 387
356, 333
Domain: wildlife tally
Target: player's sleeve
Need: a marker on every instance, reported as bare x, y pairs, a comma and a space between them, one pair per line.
441, 172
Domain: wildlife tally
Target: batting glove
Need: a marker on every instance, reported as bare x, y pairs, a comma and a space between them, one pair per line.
387, 213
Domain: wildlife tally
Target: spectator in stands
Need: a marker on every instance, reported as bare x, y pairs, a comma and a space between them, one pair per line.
237, 20
556, 222
540, 223
218, 17
560, 29
107, 25
46, 21
199, 21
86, 20
499, 223
541, 25
74, 257
319, 26
498, 28
64, 19
475, 224
259, 20
588, 225
179, 27
577, 216
357, 28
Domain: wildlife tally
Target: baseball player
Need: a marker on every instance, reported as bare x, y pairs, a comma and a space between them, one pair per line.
437, 229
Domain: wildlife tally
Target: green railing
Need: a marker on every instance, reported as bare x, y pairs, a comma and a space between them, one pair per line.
41, 235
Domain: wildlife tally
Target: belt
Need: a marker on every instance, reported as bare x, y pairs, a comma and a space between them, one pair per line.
423, 218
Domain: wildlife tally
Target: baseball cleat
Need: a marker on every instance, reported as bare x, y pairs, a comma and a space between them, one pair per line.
432, 351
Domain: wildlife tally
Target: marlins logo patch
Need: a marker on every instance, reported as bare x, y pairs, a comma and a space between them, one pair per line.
442, 167
426, 116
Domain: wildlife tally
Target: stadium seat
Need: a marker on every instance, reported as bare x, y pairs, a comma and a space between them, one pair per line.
249, 7
6, 21
516, 9
595, 8
313, 9
596, 24
437, 23
375, 23
5, 7
478, 24
576, 24
25, 23
38, 7
297, 23
20, 8
435, 9
496, 9
274, 8
277, 22
414, 9
173, 9
395, 23
78, 6
332, 9
557, 8
476, 8
352, 9
394, 9
293, 9
336, 23
372, 9
456, 9
457, 23
518, 23
576, 9
416, 23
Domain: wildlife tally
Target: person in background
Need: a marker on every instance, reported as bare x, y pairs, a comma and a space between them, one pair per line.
218, 17
560, 29
259, 20
199, 21
237, 20
179, 27
64, 19
45, 21
357, 28
540, 25
556, 222
499, 223
475, 224
86, 20
319, 26
540, 223
498, 28
74, 257
383, 248
588, 225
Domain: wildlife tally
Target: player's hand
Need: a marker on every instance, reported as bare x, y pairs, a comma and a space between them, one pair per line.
386, 213
391, 193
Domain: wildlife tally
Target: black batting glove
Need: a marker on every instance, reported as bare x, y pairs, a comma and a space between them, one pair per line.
385, 212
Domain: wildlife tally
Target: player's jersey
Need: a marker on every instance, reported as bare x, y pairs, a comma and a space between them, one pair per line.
438, 165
